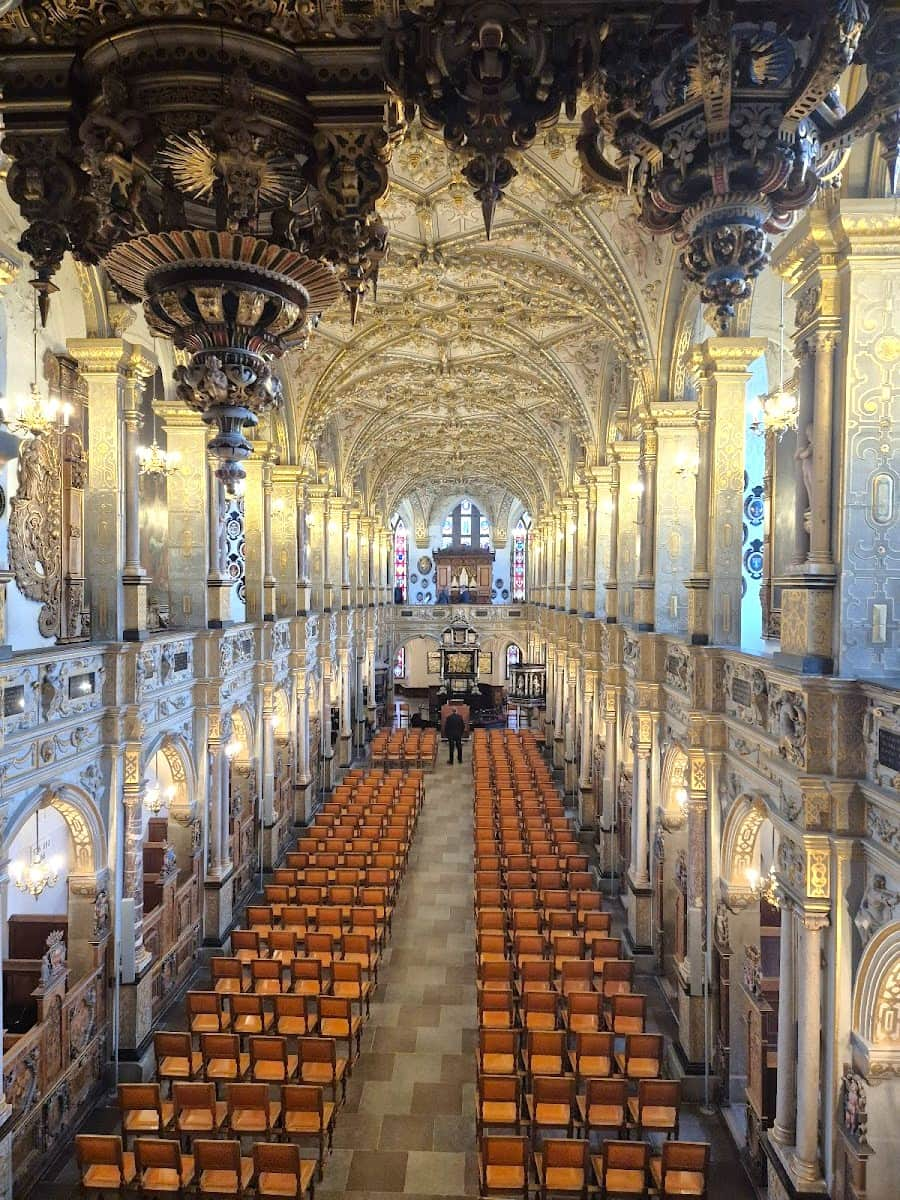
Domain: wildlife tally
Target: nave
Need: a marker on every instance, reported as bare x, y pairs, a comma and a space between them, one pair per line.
407, 1124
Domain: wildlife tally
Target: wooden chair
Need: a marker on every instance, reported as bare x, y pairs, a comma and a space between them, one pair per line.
544, 1052
642, 1057
529, 947
535, 975
245, 944
294, 1015
250, 1111
307, 977
161, 1168
604, 1106
499, 1102
260, 917
617, 976
207, 1013
584, 1012
223, 1061
284, 945
577, 975
196, 1110
319, 1064
496, 1009
281, 1174
655, 1108
219, 1168
621, 1168
491, 947
174, 1057
265, 976
551, 1104
562, 1165
337, 1020
595, 925
104, 1166
567, 948
627, 1013
593, 1056
320, 945
682, 1170
498, 1051
360, 946
142, 1110
306, 1113
503, 1165
248, 1015
347, 981
227, 974
270, 1060
540, 1010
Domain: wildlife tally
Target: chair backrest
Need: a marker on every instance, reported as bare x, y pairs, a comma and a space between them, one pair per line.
260, 914
138, 1096
346, 972
629, 1004
335, 1008
218, 1155
193, 1095
161, 1153
500, 1088
593, 1044
306, 968
283, 939
618, 974
95, 1150
644, 1045
220, 1045
546, 1041
554, 1089
171, 1045
244, 939
498, 1041
246, 1004
248, 1095
685, 1156
625, 1156
606, 1092
606, 947
302, 1097
277, 1158
564, 1152
499, 1151
659, 1093
316, 1049
226, 968
265, 968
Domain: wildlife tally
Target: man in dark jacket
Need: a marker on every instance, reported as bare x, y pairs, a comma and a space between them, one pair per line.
454, 728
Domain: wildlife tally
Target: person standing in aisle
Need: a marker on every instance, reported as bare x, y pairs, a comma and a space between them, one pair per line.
454, 728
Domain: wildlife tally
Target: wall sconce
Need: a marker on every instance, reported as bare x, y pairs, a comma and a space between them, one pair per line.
687, 465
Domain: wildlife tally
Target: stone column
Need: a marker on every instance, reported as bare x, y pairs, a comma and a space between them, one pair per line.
805, 1159
586, 763
302, 778
345, 747
610, 765
102, 363
327, 749
783, 1131
715, 584
587, 548
644, 591
285, 541
571, 726
135, 998
367, 592
268, 559
353, 588
612, 587
559, 704
371, 707
315, 543
690, 1008
573, 544
190, 531
218, 583
254, 538
138, 368
638, 899
268, 847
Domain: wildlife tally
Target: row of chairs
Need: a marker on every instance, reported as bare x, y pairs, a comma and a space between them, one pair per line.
563, 1045
278, 1028
409, 747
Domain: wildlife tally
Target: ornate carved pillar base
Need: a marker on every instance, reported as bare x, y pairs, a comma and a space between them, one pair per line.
691, 1042
135, 1017
218, 603
218, 908
781, 1182
302, 801
134, 596
559, 758
587, 809
270, 847
807, 620
570, 776
698, 610
345, 750
638, 900
644, 607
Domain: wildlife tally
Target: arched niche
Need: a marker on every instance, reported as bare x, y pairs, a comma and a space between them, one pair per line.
876, 1005
71, 832
169, 789
670, 865
740, 848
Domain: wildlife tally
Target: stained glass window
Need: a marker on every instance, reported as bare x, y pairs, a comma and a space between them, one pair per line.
520, 557
466, 526
485, 532
447, 531
401, 560
465, 506
465, 531
513, 656
400, 663
234, 546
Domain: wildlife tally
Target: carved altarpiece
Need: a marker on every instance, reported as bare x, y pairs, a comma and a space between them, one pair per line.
46, 522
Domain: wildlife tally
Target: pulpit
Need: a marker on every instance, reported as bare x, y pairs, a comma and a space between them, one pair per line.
464, 575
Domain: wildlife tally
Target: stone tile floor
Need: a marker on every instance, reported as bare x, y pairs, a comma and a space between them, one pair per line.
408, 1125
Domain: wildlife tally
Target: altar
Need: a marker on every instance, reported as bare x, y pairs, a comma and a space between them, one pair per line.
464, 576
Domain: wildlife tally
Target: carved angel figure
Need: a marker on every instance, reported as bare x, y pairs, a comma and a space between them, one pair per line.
876, 909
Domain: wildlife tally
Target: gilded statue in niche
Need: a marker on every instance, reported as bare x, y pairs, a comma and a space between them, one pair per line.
35, 539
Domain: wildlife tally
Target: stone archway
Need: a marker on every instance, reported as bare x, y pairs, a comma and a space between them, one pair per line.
669, 865
740, 835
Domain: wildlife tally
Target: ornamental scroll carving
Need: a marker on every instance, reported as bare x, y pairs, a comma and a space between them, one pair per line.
35, 530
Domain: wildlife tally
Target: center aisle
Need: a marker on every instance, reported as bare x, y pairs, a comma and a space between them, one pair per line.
408, 1125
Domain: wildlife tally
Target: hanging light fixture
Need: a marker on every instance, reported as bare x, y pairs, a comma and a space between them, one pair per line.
233, 747
778, 409
156, 461
39, 872
155, 798
36, 414
765, 887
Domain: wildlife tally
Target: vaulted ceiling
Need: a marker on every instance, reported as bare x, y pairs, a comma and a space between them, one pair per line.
485, 363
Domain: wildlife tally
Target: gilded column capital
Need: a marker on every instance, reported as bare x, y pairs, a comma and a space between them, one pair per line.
99, 356
726, 355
